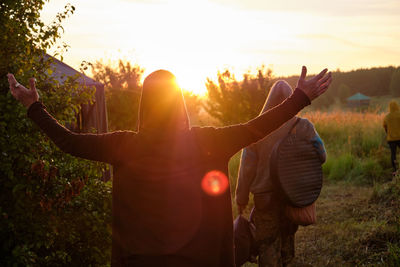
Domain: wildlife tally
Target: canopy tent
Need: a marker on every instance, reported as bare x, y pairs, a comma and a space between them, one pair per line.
91, 116
358, 100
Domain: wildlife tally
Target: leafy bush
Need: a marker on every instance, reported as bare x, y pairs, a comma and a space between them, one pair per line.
231, 101
123, 90
54, 211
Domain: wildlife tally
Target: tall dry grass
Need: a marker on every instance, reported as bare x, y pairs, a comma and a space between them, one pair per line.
355, 143
357, 151
347, 131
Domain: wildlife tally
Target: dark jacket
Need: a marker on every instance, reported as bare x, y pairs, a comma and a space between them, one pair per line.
159, 207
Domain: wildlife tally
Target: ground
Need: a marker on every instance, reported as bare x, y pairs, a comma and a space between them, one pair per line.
357, 226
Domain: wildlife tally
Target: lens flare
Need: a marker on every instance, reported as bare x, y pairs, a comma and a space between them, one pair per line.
214, 183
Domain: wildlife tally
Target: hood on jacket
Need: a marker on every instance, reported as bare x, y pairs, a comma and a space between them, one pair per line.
162, 107
393, 106
278, 93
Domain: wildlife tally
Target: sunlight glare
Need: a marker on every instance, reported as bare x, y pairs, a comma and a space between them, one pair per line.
196, 39
214, 183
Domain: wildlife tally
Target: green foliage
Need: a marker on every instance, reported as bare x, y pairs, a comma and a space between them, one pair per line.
395, 83
388, 192
125, 76
394, 255
355, 144
351, 230
388, 195
123, 90
349, 167
231, 101
54, 211
122, 109
193, 106
338, 168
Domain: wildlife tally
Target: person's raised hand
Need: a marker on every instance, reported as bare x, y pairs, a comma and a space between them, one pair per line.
21, 93
315, 86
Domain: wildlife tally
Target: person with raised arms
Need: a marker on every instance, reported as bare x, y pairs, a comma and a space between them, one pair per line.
171, 197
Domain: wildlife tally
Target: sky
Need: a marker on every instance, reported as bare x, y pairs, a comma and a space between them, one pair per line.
196, 39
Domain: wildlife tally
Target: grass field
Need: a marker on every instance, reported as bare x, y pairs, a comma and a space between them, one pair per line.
354, 228
356, 146
358, 210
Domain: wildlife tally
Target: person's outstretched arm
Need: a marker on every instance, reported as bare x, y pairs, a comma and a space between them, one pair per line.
99, 147
229, 140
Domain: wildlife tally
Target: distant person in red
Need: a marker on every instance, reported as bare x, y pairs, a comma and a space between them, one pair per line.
391, 123
171, 197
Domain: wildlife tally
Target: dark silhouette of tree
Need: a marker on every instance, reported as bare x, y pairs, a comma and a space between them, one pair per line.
231, 101
395, 83
370, 82
124, 76
123, 88
344, 91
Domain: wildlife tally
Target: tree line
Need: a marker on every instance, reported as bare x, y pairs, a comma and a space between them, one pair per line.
371, 82
233, 100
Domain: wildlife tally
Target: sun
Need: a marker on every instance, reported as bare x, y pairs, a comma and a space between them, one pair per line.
192, 84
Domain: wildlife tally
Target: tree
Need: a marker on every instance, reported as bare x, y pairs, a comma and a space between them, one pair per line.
343, 92
371, 82
54, 210
231, 101
193, 106
123, 89
395, 83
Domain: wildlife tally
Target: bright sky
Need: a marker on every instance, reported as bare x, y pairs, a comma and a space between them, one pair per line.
195, 39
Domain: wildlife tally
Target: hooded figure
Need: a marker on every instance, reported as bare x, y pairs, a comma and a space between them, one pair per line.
391, 123
162, 106
274, 232
171, 196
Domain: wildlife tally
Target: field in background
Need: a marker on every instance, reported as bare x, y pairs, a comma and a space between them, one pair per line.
356, 146
358, 210
357, 151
